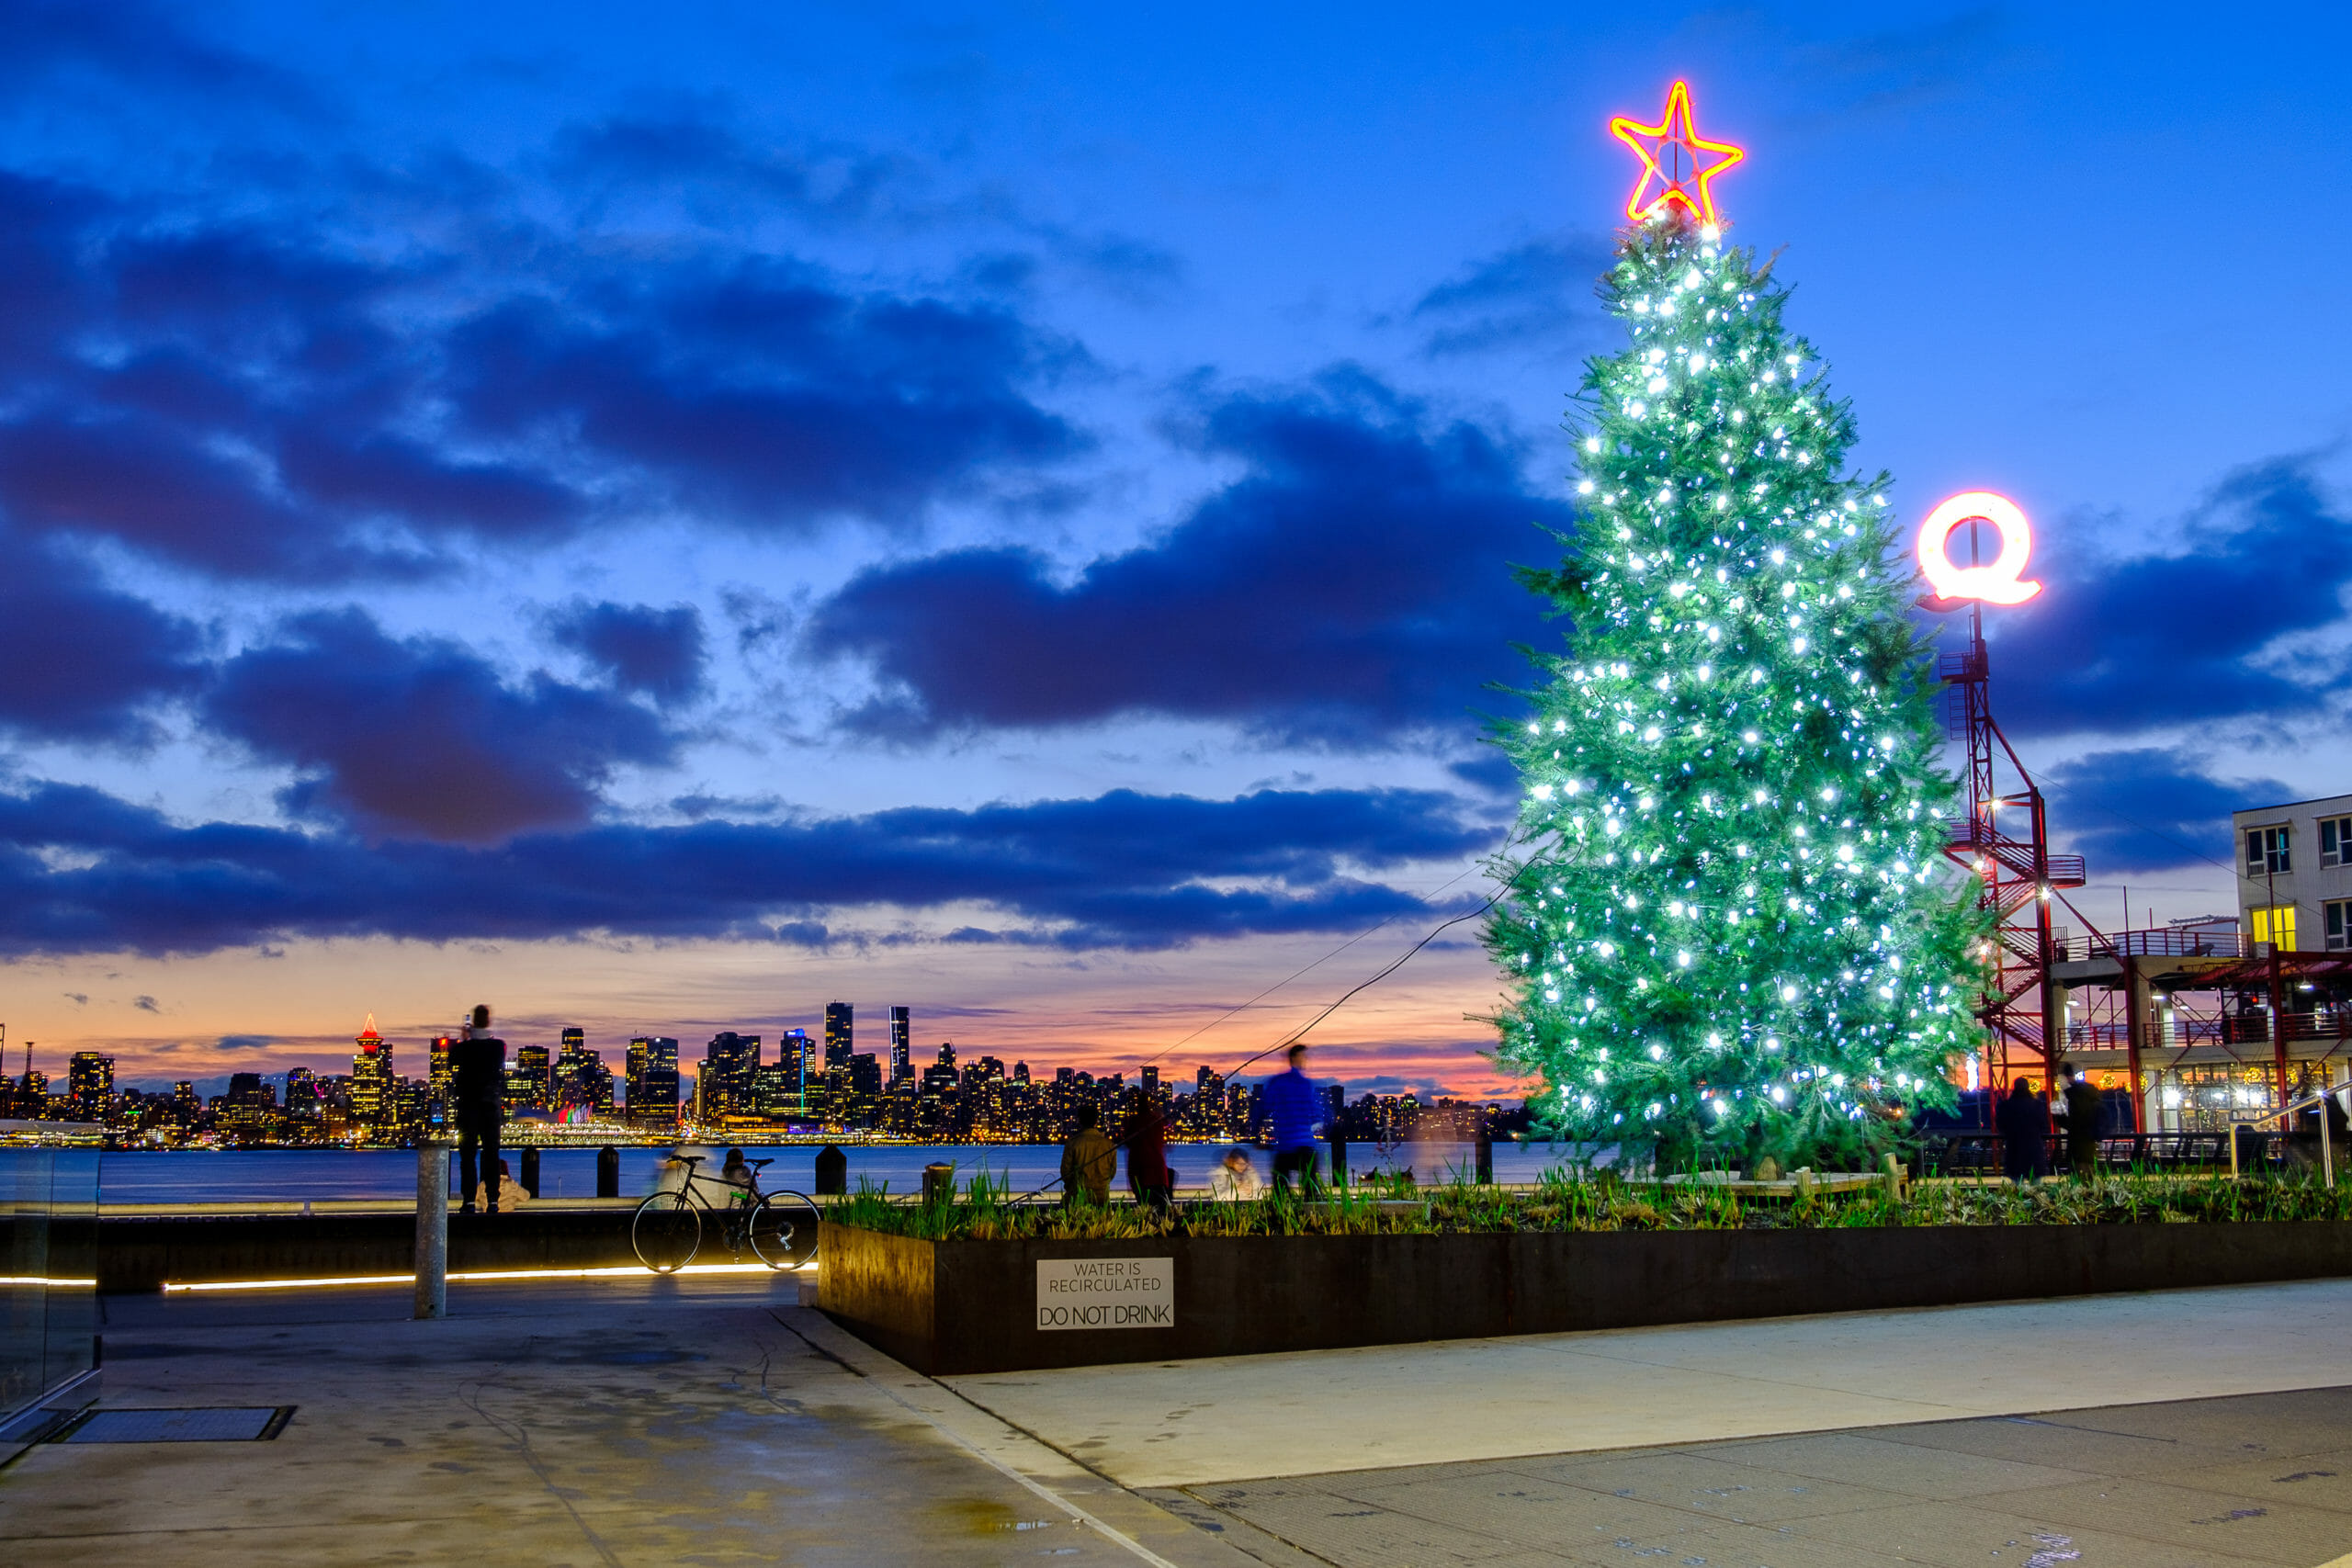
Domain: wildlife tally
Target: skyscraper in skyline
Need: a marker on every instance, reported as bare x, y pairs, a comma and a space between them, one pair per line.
301, 1092
529, 1085
89, 1083
729, 1074
901, 1036
581, 1080
793, 1051
372, 1104
837, 1034
653, 1081
438, 1069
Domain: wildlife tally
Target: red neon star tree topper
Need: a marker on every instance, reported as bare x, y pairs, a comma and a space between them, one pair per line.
1676, 159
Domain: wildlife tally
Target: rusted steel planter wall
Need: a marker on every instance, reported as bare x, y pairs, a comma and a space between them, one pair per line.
971, 1306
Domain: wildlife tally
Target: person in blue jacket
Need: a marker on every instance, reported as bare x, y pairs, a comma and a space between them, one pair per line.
1295, 1110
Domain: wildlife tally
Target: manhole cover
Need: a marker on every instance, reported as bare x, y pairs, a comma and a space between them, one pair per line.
215, 1424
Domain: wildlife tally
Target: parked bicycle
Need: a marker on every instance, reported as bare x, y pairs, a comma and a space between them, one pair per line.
779, 1228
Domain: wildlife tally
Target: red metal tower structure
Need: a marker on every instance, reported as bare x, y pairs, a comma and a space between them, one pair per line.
2004, 842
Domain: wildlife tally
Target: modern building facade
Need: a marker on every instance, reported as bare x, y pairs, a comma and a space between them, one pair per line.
373, 1095
901, 1042
531, 1080
2294, 868
89, 1083
838, 1035
729, 1077
652, 1086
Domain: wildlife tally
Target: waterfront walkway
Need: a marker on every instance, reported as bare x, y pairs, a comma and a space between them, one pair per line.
643, 1422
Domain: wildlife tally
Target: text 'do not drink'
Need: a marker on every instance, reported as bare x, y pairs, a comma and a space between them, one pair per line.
1106, 1293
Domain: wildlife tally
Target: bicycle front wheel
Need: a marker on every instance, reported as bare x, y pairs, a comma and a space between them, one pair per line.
784, 1230
666, 1231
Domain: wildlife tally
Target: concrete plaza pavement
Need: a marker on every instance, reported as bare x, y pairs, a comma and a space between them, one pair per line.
608, 1422
714, 1421
2256, 1480
1156, 1424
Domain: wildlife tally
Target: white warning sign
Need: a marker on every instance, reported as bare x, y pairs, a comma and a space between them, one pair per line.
1106, 1293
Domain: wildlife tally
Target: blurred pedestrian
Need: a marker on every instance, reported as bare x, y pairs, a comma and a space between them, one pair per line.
1147, 1143
1235, 1180
478, 1104
1295, 1110
2086, 1121
1087, 1161
2023, 1122
737, 1174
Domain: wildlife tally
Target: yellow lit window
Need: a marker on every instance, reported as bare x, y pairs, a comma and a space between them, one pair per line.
2275, 924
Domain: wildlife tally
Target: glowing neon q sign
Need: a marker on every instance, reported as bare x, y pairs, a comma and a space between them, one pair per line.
1995, 584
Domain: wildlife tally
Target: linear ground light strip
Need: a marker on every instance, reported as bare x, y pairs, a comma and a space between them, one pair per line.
619, 1272
44, 1281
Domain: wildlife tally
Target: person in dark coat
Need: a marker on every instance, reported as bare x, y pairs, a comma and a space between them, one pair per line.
2085, 1119
1146, 1143
478, 1104
2023, 1122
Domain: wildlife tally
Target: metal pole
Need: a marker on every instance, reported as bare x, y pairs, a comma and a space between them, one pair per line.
2137, 1004
432, 1229
2054, 1007
2278, 1017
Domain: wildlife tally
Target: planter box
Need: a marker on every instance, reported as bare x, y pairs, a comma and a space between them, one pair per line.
972, 1306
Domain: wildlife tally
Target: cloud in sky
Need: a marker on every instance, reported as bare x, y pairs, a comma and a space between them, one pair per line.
87, 662
418, 737
660, 653
1352, 584
280, 403
139, 44
1536, 294
1122, 869
2150, 809
2113, 646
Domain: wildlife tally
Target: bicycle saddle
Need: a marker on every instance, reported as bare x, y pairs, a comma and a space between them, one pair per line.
755, 1162
687, 1160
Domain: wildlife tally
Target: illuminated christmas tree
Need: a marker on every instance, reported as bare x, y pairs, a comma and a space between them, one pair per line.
1731, 929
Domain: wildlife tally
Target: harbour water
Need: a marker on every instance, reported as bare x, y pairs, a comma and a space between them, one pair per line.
229, 1176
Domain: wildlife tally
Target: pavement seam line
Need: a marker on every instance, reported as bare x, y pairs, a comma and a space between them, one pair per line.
521, 1437
1044, 1492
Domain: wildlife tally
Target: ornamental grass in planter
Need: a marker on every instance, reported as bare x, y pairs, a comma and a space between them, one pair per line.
1565, 1201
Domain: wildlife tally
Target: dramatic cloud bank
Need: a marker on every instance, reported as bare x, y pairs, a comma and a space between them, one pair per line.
1353, 584
81, 870
2112, 646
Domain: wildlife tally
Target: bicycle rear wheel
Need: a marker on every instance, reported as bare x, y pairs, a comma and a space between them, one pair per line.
784, 1230
666, 1231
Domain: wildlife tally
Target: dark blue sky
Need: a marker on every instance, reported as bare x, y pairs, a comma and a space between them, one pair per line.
667, 519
